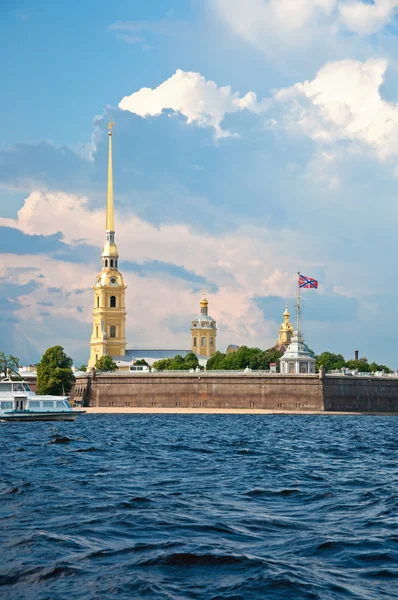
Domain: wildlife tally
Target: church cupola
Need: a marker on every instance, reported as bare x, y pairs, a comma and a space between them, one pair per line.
204, 331
285, 332
109, 316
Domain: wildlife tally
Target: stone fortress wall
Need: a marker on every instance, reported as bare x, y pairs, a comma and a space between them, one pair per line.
303, 393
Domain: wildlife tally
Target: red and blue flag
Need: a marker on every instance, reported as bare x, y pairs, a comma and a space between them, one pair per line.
307, 282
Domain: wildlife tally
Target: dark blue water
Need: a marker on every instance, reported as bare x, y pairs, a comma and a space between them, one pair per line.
209, 506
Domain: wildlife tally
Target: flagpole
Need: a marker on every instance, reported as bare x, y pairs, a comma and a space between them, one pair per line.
298, 302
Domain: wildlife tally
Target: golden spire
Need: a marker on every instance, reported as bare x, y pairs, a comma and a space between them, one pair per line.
286, 314
110, 225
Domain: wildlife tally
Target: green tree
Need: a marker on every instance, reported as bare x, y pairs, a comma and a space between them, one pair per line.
375, 367
164, 364
8, 362
106, 363
214, 363
141, 361
190, 361
330, 361
254, 358
361, 365
83, 368
54, 372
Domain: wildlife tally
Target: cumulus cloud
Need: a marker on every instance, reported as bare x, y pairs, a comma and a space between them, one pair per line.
310, 30
364, 18
344, 102
199, 100
173, 291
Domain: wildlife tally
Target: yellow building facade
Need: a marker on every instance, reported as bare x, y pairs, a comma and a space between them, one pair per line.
109, 315
204, 331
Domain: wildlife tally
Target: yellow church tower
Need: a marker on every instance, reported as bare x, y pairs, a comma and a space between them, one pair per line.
109, 316
204, 331
285, 332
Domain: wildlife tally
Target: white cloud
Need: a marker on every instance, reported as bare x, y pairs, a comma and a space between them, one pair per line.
235, 254
200, 101
365, 18
310, 28
344, 102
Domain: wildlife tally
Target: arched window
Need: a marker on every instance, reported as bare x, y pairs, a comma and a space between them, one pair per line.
211, 342
111, 262
203, 342
96, 358
97, 301
96, 331
112, 332
113, 301
115, 264
106, 262
194, 342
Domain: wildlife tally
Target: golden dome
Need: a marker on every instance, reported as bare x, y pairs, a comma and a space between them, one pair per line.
204, 301
286, 313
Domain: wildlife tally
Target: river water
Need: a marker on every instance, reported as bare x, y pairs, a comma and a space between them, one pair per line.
200, 506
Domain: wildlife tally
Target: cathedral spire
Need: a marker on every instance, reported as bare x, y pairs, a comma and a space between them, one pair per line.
110, 253
110, 225
109, 315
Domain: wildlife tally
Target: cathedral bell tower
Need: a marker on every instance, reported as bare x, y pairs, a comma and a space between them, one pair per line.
109, 316
203, 331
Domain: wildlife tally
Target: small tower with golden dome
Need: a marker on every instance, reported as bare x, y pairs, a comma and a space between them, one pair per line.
204, 331
109, 316
285, 332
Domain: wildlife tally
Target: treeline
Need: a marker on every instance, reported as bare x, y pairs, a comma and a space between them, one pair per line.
177, 363
337, 361
253, 358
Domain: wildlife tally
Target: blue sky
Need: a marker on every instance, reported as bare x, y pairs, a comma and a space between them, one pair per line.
251, 138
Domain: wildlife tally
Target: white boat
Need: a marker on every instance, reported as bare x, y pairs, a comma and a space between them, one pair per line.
19, 403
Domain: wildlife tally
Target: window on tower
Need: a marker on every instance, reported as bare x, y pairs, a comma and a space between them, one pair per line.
106, 262
112, 331
96, 331
113, 301
211, 342
194, 342
111, 262
97, 301
203, 342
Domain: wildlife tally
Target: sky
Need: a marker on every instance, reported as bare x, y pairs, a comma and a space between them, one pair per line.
252, 138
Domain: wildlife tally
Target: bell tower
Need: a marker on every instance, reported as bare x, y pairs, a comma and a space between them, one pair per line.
109, 316
203, 331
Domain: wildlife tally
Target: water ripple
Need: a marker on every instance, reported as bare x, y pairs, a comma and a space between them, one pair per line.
206, 507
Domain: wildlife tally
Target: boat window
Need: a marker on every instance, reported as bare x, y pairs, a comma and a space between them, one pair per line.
66, 403
27, 388
60, 404
48, 404
6, 405
18, 387
34, 404
5, 387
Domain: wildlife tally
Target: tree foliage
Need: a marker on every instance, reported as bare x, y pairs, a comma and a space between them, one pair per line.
141, 361
253, 358
178, 363
337, 361
8, 363
83, 368
54, 372
330, 361
106, 363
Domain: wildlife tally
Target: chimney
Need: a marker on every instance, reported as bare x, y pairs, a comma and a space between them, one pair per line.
356, 354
